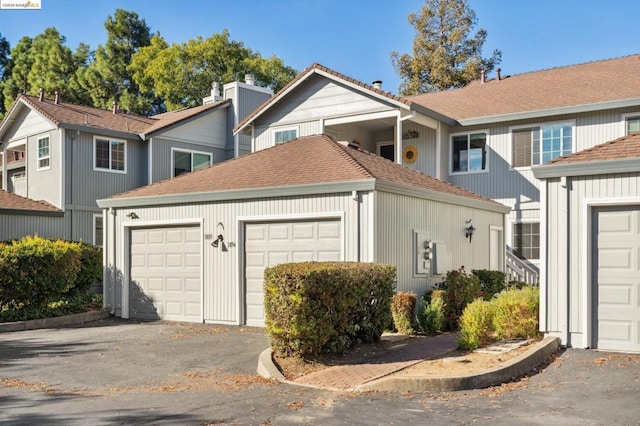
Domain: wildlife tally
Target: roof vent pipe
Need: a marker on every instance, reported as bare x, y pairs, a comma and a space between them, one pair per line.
250, 79
483, 76
498, 73
377, 84
57, 99
41, 95
115, 107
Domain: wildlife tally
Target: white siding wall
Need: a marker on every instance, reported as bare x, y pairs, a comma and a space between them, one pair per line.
27, 123
568, 235
45, 184
398, 215
222, 270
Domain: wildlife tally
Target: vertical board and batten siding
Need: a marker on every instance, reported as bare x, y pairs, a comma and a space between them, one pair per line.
86, 185
162, 157
27, 123
425, 144
315, 99
222, 269
264, 135
567, 269
397, 216
15, 226
45, 184
208, 129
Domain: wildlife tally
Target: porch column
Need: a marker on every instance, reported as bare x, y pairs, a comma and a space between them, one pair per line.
3, 184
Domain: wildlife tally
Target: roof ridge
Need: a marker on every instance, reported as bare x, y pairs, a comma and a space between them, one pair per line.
344, 151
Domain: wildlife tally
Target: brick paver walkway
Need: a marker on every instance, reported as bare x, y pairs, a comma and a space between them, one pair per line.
401, 355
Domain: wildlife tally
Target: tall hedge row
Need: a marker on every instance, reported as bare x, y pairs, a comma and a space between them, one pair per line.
35, 271
327, 307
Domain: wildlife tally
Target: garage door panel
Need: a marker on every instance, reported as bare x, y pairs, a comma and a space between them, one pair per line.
269, 244
165, 274
617, 248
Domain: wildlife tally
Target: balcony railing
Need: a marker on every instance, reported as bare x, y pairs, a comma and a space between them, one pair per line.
521, 270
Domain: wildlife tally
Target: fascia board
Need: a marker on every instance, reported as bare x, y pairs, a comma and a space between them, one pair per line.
587, 168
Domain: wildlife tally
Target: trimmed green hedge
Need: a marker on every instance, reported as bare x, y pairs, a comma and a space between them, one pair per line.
327, 307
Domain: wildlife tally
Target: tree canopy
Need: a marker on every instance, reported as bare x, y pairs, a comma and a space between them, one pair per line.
182, 74
446, 54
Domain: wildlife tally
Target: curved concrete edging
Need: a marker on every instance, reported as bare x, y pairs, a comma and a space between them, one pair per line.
511, 370
55, 321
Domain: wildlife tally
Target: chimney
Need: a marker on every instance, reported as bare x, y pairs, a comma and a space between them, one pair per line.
57, 99
215, 94
377, 84
498, 73
483, 76
250, 79
115, 107
41, 96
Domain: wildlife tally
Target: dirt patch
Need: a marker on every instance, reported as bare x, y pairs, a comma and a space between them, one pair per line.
453, 363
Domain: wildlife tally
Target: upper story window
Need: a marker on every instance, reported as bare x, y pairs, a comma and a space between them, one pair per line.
387, 150
109, 154
189, 161
632, 124
469, 152
284, 135
44, 153
537, 145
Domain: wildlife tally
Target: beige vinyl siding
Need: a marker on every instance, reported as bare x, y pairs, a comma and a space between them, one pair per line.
222, 269
26, 124
398, 215
161, 152
566, 222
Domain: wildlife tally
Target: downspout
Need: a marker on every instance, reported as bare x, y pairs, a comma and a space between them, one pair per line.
111, 231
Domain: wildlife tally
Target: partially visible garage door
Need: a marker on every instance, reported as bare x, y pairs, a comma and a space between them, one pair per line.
165, 274
269, 244
617, 271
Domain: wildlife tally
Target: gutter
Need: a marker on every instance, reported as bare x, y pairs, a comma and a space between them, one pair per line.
587, 168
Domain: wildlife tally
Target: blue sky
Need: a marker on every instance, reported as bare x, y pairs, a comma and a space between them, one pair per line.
355, 37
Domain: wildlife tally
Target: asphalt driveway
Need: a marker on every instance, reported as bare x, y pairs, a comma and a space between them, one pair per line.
121, 372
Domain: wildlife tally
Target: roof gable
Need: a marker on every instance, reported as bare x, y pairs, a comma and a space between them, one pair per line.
595, 84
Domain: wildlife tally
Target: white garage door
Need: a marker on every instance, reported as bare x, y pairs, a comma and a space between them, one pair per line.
165, 274
617, 268
269, 244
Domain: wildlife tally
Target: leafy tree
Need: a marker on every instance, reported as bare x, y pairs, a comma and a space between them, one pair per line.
445, 53
107, 77
19, 65
4, 68
182, 73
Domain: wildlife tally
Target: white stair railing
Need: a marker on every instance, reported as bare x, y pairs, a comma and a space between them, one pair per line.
520, 270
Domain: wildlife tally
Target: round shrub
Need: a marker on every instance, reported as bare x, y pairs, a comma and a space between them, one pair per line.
403, 306
476, 325
516, 313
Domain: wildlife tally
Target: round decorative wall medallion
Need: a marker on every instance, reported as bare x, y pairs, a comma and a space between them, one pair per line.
410, 154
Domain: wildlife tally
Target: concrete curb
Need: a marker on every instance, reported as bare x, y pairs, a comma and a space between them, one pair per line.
517, 367
55, 321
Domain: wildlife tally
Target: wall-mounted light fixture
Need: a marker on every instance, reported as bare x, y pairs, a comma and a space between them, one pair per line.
469, 230
133, 215
217, 241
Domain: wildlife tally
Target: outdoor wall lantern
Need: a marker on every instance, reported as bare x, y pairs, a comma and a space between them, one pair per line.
469, 230
217, 241
133, 215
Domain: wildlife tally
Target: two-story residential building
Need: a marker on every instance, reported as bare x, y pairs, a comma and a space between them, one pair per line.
484, 137
68, 156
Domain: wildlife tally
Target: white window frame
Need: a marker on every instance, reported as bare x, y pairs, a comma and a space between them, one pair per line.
285, 129
468, 134
47, 157
574, 135
109, 170
513, 237
188, 151
624, 119
95, 234
386, 143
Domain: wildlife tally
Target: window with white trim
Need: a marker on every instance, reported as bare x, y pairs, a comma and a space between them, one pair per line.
97, 230
189, 161
387, 150
632, 124
526, 240
44, 153
538, 145
109, 154
284, 135
469, 152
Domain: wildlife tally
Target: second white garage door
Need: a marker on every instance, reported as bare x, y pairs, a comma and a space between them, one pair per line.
617, 272
269, 244
165, 274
